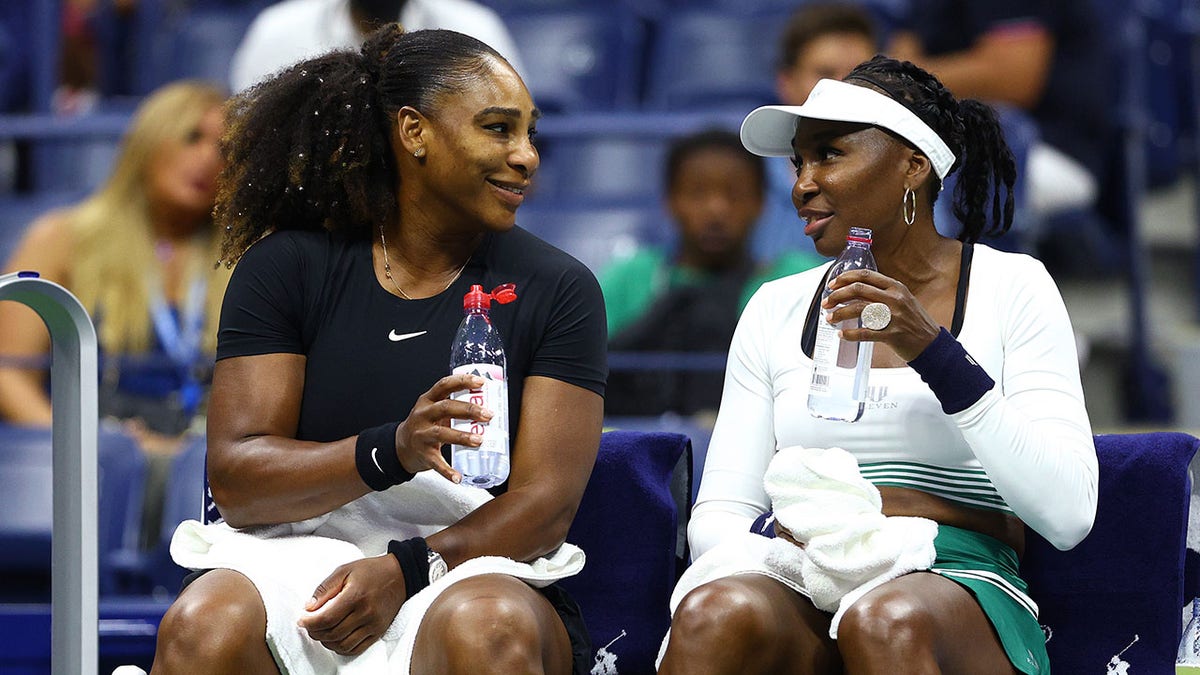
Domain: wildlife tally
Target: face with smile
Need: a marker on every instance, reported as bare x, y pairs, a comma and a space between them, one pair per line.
848, 175
181, 176
479, 150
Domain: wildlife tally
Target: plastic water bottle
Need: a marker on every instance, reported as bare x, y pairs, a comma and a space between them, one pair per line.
478, 350
838, 390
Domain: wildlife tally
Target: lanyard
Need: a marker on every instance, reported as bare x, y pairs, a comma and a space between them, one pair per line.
180, 339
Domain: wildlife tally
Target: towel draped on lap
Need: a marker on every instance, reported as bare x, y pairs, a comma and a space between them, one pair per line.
850, 547
286, 563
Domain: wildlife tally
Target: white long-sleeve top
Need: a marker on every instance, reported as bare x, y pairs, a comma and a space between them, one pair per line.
1025, 447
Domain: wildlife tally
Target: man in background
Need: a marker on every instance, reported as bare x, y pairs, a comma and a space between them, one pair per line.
290, 31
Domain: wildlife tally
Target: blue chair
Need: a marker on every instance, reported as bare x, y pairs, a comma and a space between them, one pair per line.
632, 522
602, 170
183, 499
594, 235
886, 13
581, 59
26, 502
1126, 578
698, 434
189, 40
713, 59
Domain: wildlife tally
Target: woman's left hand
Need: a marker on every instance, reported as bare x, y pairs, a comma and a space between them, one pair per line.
910, 330
353, 607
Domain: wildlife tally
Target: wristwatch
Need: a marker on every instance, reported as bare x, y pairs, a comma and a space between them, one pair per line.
437, 566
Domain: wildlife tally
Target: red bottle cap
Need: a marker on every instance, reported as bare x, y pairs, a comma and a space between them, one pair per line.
503, 294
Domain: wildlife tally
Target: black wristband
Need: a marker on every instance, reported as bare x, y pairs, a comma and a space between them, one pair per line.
952, 375
413, 556
376, 460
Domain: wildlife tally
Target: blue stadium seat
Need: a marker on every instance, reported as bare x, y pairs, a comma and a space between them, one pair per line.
594, 235
707, 59
26, 502
887, 13
183, 500
599, 170
579, 59
188, 40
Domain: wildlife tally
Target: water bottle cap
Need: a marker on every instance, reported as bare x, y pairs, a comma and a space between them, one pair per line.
476, 298
859, 234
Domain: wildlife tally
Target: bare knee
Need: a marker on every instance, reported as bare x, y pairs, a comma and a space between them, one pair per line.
217, 620
886, 620
712, 615
499, 623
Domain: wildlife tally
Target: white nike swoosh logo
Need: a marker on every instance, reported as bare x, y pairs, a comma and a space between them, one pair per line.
396, 337
376, 460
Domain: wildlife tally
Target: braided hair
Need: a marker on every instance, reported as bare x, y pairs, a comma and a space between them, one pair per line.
310, 148
987, 170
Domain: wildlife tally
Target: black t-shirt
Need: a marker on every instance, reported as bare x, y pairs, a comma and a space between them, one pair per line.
370, 354
1073, 113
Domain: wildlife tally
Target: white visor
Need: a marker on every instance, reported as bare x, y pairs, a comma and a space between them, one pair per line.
768, 131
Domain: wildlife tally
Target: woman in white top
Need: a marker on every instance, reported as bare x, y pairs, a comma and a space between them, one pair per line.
975, 416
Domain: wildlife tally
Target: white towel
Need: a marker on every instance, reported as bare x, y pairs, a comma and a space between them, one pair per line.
287, 562
820, 496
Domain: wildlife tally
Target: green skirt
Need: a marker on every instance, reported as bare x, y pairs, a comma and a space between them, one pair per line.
988, 568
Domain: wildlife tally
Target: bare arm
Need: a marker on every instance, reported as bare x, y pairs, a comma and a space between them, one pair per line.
46, 249
551, 464
1007, 65
261, 474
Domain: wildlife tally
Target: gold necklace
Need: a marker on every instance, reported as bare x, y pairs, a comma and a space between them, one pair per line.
387, 270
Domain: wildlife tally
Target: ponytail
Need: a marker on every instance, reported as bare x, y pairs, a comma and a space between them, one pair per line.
987, 174
987, 170
309, 149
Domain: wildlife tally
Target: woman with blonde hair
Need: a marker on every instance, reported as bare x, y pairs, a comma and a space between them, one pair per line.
138, 252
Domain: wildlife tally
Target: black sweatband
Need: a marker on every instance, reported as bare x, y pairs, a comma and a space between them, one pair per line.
376, 460
413, 556
952, 375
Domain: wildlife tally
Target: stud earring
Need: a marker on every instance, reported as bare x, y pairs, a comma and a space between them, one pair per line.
419, 152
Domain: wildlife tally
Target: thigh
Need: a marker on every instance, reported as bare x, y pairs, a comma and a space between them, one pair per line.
469, 612
962, 638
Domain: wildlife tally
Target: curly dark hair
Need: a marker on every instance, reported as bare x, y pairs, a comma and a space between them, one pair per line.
310, 148
971, 130
683, 147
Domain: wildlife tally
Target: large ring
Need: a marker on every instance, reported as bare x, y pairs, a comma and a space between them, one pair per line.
876, 316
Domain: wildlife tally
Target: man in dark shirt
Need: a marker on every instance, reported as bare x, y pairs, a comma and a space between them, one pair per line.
1041, 57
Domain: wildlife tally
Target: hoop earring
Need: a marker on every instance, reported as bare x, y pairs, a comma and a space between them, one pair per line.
910, 216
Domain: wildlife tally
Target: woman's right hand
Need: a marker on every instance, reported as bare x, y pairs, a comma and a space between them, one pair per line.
420, 437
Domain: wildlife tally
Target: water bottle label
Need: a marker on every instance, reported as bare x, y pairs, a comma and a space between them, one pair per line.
493, 395
825, 357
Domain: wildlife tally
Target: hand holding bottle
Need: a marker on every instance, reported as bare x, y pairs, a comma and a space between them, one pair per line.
420, 437
910, 329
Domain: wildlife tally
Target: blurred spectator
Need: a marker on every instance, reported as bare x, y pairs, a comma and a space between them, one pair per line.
139, 254
821, 40
690, 300
292, 30
1037, 56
